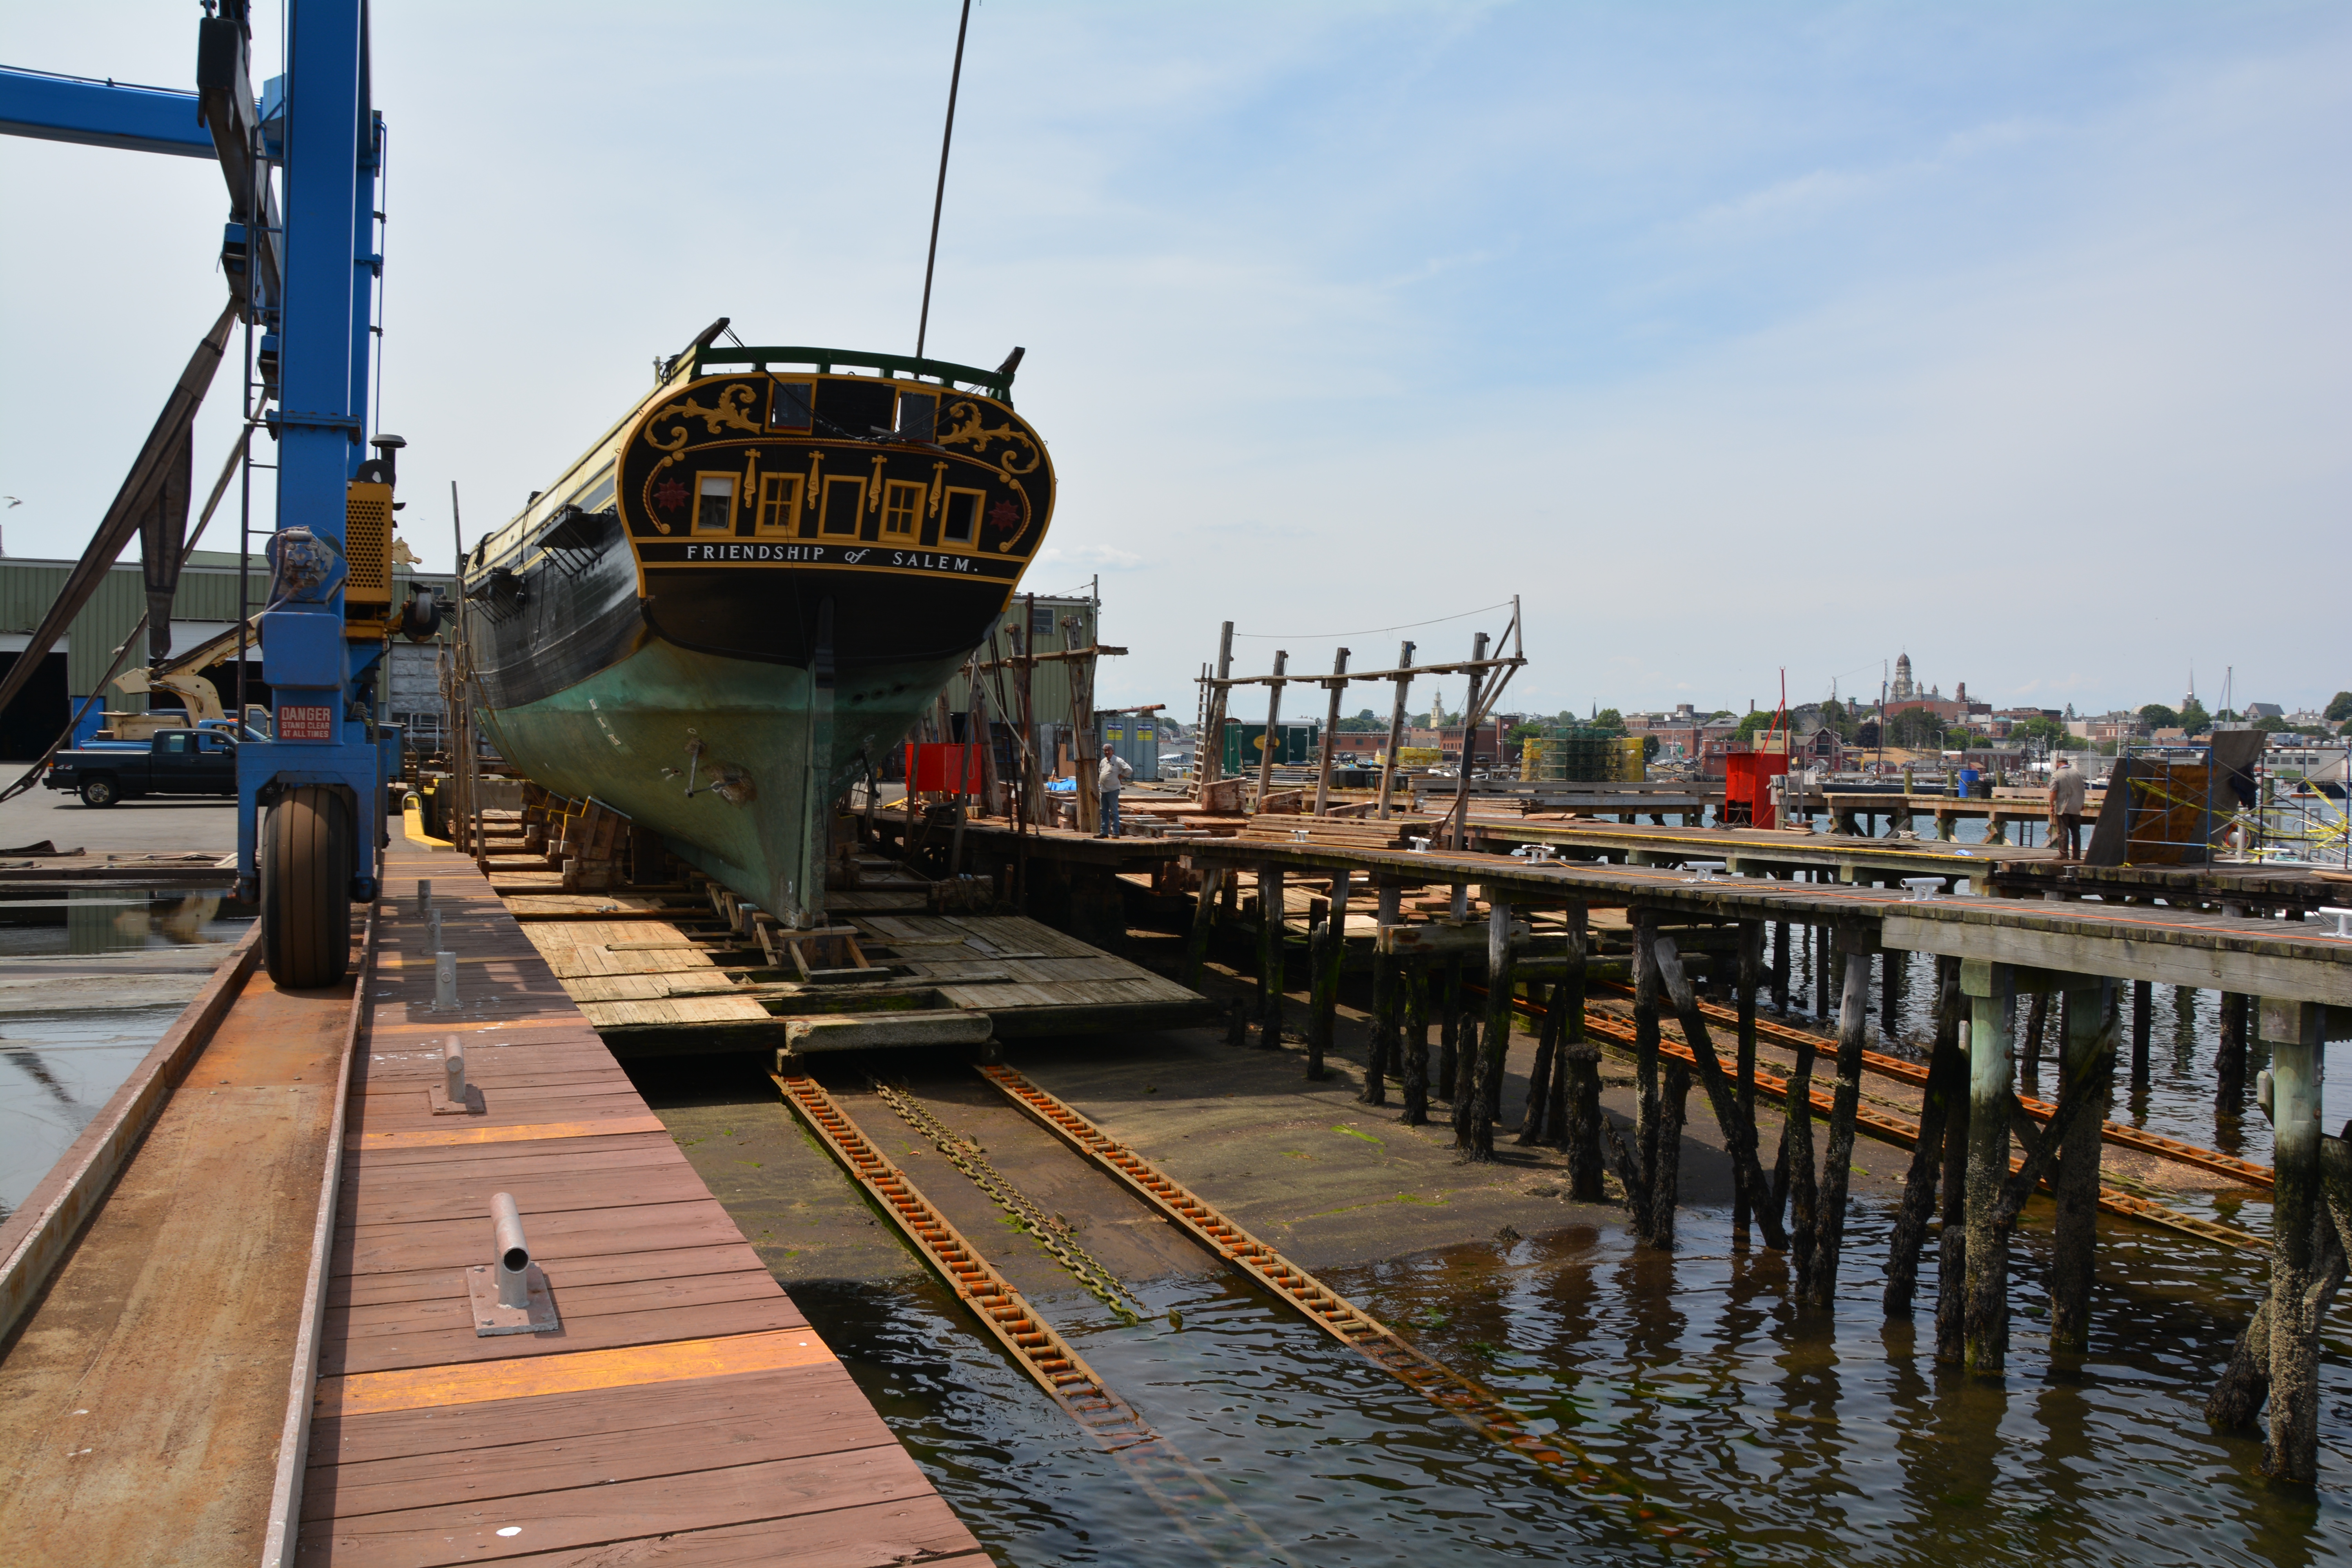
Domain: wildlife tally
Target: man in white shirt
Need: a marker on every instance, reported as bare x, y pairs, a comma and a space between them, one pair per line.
1113, 773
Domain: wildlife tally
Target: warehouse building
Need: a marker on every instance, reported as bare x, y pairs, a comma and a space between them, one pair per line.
208, 604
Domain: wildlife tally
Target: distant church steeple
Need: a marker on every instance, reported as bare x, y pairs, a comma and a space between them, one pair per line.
1903, 686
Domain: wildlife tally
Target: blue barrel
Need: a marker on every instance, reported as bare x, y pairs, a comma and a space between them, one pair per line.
1968, 783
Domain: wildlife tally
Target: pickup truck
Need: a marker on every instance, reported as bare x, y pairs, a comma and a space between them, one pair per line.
176, 761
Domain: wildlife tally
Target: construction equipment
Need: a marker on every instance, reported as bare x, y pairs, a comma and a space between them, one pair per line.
310, 799
183, 677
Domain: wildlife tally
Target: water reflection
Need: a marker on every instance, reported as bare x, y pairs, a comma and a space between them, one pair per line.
1772, 1437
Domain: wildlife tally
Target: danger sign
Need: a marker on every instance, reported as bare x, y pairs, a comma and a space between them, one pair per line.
306, 722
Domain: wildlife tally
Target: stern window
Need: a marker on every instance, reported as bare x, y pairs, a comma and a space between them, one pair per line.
962, 521
918, 415
779, 497
714, 504
902, 508
843, 498
789, 409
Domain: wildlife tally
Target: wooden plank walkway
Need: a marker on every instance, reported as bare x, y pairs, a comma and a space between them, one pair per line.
685, 1412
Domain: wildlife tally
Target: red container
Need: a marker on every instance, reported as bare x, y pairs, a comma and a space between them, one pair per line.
1747, 787
932, 767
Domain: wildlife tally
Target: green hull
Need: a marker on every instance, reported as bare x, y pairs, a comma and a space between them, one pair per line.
775, 752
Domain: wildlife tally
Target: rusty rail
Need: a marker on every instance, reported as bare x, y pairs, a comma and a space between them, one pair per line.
1475, 1407
1001, 1309
2116, 1133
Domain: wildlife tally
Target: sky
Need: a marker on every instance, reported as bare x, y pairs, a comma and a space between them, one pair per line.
1730, 340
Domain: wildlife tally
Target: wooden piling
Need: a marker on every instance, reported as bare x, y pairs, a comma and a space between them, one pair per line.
1449, 1030
1818, 938
1535, 1124
1781, 966
1388, 998
1890, 995
2297, 1219
1952, 1244
1486, 1095
1270, 976
1750, 1196
1946, 1082
1204, 925
1985, 1310
1328, 961
1413, 978
2230, 1061
1582, 1064
2143, 1025
1382, 1052
2090, 1019
1792, 1174
1818, 1286
1645, 1057
1739, 1133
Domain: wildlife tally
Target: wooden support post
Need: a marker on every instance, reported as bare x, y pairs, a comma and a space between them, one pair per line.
1214, 876
2230, 1061
1580, 1065
1536, 1125
1749, 1200
1449, 1030
1793, 1168
1460, 839
2037, 1026
1387, 1000
1413, 978
2090, 1019
1946, 1082
1485, 1099
1272, 981
1820, 937
1739, 1135
1890, 995
1320, 1025
1658, 1147
2298, 1220
2143, 1024
1819, 1283
1781, 966
1339, 685
1952, 1244
1271, 742
1209, 750
1396, 730
1991, 988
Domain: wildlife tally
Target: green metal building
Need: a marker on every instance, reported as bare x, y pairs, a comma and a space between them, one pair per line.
207, 603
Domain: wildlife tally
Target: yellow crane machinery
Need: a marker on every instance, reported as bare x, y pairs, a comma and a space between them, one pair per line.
183, 678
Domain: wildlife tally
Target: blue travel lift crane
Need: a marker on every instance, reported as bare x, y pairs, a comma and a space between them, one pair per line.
306, 281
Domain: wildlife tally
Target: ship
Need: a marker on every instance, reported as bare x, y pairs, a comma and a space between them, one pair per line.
741, 595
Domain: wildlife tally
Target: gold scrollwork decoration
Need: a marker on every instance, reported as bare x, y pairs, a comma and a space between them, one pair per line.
727, 411
971, 430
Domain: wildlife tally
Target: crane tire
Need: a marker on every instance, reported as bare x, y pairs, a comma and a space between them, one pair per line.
306, 887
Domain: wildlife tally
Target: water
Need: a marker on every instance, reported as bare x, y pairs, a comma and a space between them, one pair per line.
59, 1064
1763, 1436
1760, 1434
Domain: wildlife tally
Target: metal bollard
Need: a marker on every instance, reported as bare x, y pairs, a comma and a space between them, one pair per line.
453, 1069
433, 928
445, 980
423, 894
512, 1264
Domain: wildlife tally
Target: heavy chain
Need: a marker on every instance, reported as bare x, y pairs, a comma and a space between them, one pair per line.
1052, 1231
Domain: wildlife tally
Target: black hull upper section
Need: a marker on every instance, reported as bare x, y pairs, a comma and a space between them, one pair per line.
728, 512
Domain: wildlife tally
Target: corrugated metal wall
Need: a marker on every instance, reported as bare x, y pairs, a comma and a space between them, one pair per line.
208, 592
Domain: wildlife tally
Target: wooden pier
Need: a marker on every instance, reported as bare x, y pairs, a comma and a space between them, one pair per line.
263, 1340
